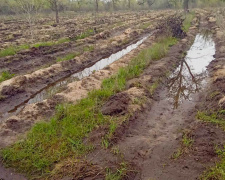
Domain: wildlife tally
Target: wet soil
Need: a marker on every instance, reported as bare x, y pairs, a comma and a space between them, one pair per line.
8, 174
155, 134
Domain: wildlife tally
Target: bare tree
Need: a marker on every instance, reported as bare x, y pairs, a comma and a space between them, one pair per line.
97, 5
149, 2
30, 8
54, 5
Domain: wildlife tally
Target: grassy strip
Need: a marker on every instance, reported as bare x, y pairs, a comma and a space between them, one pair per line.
187, 22
85, 34
145, 25
12, 50
67, 57
51, 142
217, 118
5, 75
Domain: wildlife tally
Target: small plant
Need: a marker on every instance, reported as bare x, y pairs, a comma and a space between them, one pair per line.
83, 35
186, 140
153, 87
88, 48
177, 154
5, 75
145, 25
119, 174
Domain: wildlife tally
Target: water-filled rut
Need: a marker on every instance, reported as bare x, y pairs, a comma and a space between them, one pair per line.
154, 137
60, 85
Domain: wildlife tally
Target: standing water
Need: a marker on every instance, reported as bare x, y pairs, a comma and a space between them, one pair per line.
190, 76
57, 87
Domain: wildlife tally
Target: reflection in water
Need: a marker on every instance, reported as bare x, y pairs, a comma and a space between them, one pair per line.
59, 86
191, 74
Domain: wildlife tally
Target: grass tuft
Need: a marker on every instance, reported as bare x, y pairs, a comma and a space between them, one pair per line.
5, 75
67, 57
187, 22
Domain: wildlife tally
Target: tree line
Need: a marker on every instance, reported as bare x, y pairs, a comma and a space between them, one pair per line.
31, 7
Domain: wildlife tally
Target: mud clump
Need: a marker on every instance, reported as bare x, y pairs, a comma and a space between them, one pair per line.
116, 105
9, 91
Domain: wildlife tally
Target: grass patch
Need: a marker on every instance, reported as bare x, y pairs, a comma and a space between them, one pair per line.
12, 50
187, 22
5, 75
218, 171
215, 117
186, 140
145, 25
88, 48
119, 174
83, 35
67, 57
50, 142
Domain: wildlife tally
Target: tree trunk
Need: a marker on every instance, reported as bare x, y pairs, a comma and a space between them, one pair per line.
186, 5
96, 1
113, 2
129, 4
56, 11
57, 16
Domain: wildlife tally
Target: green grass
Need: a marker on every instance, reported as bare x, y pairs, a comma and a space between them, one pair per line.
88, 48
187, 22
67, 57
215, 117
83, 35
177, 154
218, 171
50, 142
145, 25
186, 140
119, 174
5, 75
12, 50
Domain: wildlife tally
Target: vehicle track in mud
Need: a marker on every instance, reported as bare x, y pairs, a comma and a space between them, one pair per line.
20, 89
155, 135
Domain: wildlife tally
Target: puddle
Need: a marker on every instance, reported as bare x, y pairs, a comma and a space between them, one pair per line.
190, 76
59, 86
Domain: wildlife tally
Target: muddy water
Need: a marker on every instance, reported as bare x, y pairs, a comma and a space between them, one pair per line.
155, 134
59, 86
190, 76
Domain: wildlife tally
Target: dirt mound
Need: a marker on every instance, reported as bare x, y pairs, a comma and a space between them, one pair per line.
117, 104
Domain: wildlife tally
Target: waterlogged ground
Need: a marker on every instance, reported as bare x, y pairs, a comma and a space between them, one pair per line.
154, 104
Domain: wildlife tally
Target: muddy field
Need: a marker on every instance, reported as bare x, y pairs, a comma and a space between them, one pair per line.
117, 96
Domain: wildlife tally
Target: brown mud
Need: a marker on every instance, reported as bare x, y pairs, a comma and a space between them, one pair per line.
151, 137
154, 134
